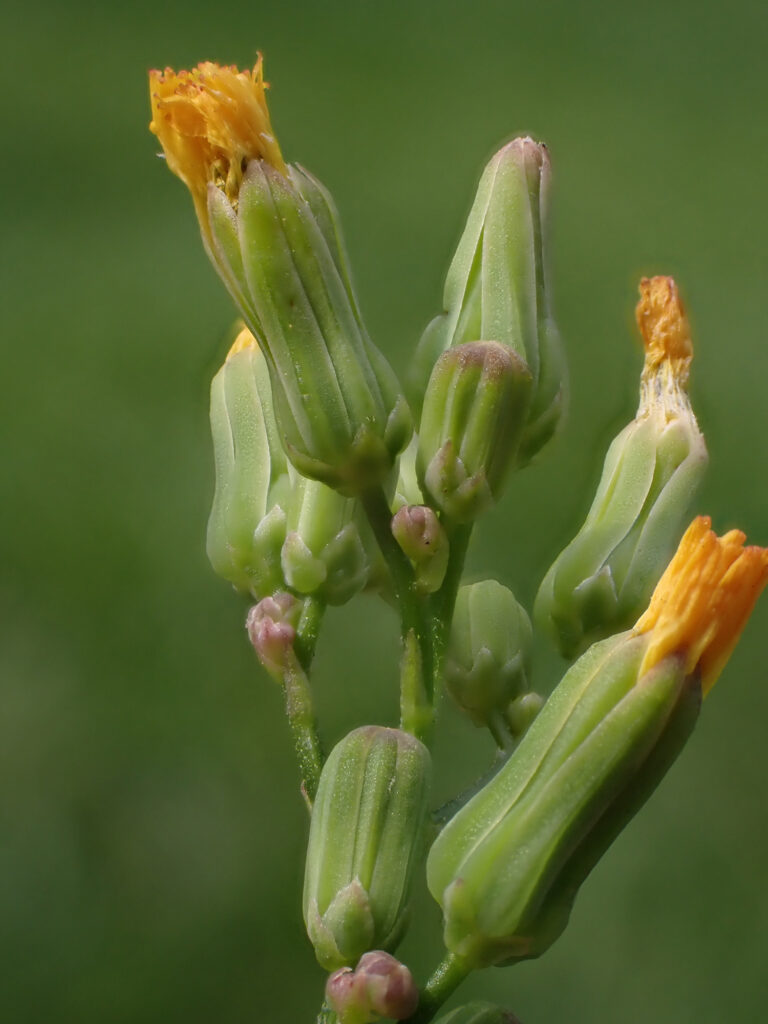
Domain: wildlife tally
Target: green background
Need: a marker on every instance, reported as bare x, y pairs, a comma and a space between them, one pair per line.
151, 835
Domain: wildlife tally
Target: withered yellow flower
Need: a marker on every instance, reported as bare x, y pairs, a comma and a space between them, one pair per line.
211, 121
664, 327
702, 602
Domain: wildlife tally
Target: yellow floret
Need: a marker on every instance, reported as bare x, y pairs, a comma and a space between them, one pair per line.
210, 122
702, 602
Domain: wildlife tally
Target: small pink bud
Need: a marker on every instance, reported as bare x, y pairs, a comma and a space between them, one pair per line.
380, 986
271, 626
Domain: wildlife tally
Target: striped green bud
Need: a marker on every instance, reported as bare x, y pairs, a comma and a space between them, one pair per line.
339, 405
488, 662
470, 427
506, 869
498, 867
272, 233
246, 529
478, 1013
365, 839
604, 578
498, 288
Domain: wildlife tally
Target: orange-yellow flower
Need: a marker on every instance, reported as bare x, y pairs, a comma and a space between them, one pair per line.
702, 602
211, 121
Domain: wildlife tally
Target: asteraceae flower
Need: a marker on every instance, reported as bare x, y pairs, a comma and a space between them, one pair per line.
702, 602
210, 122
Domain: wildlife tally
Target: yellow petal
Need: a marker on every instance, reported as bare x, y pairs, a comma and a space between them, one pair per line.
703, 601
211, 121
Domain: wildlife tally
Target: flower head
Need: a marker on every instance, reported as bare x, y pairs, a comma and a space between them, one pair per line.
702, 602
211, 121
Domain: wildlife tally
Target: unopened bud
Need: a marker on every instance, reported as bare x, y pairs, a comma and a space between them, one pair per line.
365, 838
246, 528
323, 553
473, 413
489, 658
498, 288
417, 530
380, 986
271, 626
604, 578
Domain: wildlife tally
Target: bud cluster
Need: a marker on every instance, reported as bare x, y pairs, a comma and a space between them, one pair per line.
329, 482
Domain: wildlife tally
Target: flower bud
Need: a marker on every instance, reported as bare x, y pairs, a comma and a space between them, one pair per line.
365, 838
323, 553
271, 626
380, 986
478, 1013
488, 661
507, 867
604, 578
497, 287
417, 530
470, 427
246, 529
271, 233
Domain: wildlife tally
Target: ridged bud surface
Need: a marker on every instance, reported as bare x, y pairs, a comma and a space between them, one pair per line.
470, 427
499, 866
365, 839
498, 288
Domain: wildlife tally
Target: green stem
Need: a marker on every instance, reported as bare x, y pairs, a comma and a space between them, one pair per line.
414, 611
301, 719
445, 980
444, 600
308, 630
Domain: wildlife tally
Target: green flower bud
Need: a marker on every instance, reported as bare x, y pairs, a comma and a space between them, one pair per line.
478, 1013
323, 553
495, 863
272, 234
470, 427
366, 836
604, 578
497, 287
506, 869
246, 529
380, 986
488, 661
417, 530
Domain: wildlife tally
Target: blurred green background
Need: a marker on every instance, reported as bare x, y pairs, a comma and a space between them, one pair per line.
151, 841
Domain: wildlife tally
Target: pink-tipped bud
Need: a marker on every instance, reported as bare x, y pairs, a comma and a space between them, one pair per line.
380, 986
271, 626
